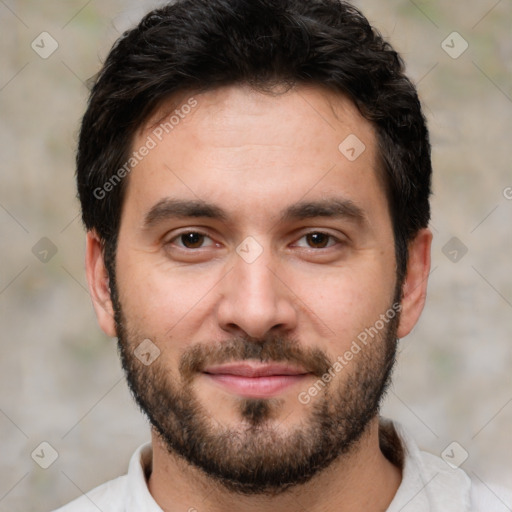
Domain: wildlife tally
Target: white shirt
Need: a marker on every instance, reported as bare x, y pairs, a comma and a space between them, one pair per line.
429, 484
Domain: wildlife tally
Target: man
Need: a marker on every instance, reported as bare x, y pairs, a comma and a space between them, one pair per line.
254, 178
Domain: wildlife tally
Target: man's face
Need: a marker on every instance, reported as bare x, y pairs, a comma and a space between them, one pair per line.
252, 253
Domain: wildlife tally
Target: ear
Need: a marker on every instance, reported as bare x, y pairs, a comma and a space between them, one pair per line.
99, 288
414, 289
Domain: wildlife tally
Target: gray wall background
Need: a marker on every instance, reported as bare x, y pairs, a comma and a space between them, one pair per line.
59, 375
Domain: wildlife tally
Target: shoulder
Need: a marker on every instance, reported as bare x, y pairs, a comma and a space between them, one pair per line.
482, 496
490, 498
436, 484
113, 496
108, 497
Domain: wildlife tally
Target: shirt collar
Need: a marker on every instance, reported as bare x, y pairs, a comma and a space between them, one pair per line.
138, 496
429, 484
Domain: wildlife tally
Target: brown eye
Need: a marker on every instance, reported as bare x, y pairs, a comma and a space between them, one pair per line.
192, 240
318, 240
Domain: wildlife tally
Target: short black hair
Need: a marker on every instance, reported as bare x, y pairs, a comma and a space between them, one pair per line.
198, 45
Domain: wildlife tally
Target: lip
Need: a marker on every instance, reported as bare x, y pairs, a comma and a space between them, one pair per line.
255, 380
254, 369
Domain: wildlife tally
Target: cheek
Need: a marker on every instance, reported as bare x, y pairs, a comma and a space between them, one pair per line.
166, 304
343, 302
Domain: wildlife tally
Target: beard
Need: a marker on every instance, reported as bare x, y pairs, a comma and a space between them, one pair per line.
257, 456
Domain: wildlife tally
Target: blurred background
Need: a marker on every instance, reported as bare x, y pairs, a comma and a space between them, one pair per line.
61, 383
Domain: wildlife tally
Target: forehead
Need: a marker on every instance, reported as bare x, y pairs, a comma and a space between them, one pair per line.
242, 148
219, 114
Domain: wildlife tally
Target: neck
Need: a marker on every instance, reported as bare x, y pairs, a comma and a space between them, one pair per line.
363, 479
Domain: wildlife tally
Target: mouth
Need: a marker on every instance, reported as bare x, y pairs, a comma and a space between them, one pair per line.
255, 379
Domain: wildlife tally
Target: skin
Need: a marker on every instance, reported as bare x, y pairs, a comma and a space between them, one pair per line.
253, 155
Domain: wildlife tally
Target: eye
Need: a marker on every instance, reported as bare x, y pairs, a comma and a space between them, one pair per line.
317, 240
192, 240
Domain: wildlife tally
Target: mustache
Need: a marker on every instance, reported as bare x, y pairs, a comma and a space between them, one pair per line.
272, 348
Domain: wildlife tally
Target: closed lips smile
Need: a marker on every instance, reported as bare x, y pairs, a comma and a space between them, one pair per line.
255, 380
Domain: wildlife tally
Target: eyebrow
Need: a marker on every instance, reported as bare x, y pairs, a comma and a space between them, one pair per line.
331, 207
178, 208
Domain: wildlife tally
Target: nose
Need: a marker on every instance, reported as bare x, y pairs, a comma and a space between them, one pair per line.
255, 299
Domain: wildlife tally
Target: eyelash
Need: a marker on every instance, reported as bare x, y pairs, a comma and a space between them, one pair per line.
331, 238
178, 237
